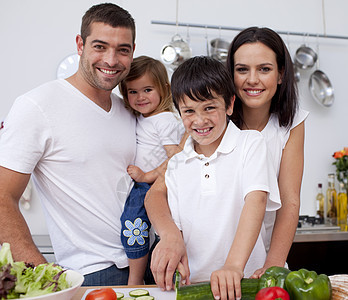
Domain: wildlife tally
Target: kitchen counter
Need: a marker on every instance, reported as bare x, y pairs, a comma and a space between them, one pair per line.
315, 234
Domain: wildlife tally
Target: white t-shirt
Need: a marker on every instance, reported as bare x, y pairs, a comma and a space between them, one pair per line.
276, 138
153, 133
206, 197
78, 154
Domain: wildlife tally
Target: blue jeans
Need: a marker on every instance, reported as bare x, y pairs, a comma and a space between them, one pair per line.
108, 276
135, 223
116, 276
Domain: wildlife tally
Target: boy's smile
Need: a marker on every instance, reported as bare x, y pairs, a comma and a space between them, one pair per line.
205, 121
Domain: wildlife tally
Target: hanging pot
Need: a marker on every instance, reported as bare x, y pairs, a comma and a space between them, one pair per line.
219, 49
297, 74
305, 57
176, 52
321, 88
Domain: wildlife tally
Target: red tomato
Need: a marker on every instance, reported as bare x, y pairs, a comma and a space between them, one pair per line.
102, 294
272, 293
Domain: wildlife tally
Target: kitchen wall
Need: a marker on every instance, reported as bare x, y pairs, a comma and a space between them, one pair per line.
36, 35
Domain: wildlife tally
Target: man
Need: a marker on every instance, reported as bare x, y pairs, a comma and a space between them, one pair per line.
76, 138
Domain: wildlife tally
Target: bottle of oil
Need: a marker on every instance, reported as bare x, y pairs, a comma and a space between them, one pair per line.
342, 208
320, 200
331, 200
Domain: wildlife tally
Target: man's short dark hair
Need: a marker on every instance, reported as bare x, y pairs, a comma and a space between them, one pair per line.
107, 13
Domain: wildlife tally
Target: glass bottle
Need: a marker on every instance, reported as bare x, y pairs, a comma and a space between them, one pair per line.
342, 208
320, 200
331, 200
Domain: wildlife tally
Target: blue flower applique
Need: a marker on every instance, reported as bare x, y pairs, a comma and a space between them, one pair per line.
136, 232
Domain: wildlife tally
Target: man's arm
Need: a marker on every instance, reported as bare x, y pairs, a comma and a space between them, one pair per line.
14, 229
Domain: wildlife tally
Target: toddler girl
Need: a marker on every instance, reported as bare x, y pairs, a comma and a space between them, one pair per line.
146, 91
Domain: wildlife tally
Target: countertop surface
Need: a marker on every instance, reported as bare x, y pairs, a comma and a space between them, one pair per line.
308, 234
320, 236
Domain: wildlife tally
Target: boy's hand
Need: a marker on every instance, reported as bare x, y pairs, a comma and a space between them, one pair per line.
136, 173
169, 255
225, 283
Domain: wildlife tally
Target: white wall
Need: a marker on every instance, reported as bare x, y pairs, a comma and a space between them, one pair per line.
36, 35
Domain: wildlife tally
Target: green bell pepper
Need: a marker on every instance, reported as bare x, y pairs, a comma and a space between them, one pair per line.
304, 284
273, 276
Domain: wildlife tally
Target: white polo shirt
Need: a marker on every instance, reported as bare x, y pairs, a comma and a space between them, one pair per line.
206, 197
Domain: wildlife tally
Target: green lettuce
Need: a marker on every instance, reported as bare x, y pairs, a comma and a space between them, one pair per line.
22, 280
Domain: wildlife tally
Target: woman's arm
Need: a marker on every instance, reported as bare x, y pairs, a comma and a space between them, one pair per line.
225, 283
290, 179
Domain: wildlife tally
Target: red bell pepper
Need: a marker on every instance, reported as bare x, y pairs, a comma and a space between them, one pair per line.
272, 293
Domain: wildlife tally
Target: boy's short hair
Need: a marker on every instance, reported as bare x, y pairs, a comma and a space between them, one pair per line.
198, 78
108, 13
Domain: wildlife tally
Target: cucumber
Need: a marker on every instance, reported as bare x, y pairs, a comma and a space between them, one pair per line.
202, 291
119, 295
145, 298
138, 293
128, 298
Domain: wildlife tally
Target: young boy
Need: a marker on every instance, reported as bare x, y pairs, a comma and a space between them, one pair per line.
218, 185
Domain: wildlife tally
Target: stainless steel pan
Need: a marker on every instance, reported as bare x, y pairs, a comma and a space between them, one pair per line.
321, 88
305, 57
219, 49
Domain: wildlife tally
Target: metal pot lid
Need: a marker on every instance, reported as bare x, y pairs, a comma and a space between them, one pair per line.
305, 57
321, 88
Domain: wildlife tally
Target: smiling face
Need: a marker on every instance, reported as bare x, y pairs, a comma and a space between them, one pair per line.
143, 96
256, 75
106, 55
205, 121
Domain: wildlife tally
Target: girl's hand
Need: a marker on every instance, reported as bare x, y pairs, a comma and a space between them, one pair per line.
136, 173
225, 283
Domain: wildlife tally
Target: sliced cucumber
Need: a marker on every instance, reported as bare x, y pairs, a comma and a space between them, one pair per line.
120, 295
138, 293
145, 298
128, 298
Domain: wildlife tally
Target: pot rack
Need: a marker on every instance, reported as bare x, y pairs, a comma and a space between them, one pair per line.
317, 35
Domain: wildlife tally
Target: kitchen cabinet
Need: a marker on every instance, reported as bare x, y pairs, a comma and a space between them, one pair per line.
43, 243
321, 251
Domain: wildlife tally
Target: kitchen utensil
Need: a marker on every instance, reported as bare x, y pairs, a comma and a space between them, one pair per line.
297, 74
176, 52
219, 49
305, 57
321, 88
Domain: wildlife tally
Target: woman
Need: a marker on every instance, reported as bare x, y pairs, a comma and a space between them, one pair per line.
267, 101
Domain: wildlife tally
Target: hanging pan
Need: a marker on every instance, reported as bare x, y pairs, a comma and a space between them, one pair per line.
305, 57
321, 87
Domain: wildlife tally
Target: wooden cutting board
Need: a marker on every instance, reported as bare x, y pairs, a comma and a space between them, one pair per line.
154, 291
